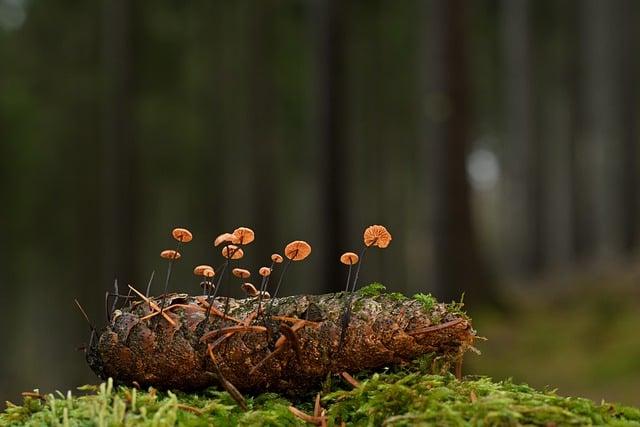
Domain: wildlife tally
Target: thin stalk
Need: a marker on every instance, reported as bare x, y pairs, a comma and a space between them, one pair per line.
346, 316
153, 273
116, 295
275, 293
211, 296
263, 286
166, 282
355, 279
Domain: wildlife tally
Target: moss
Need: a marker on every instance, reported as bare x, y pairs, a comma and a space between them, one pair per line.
372, 290
406, 396
428, 301
396, 296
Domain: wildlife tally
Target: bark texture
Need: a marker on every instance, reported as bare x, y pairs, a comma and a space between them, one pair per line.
384, 330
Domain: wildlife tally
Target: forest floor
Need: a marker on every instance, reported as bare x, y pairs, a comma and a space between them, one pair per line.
585, 343
579, 335
406, 397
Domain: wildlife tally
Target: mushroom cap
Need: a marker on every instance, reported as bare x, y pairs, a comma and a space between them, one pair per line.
226, 238
245, 235
241, 273
349, 258
170, 254
249, 289
264, 271
277, 258
204, 270
182, 235
377, 235
232, 252
297, 250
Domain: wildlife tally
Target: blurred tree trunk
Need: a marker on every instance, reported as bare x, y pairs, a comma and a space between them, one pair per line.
331, 92
458, 264
524, 204
262, 132
599, 149
628, 96
119, 161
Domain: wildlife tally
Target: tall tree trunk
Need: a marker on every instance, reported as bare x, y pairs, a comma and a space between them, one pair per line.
262, 132
600, 145
524, 193
120, 155
332, 135
628, 96
458, 266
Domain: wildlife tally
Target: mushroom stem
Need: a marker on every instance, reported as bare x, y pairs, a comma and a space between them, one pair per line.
346, 314
116, 295
84, 314
166, 282
355, 279
153, 273
211, 296
263, 286
346, 289
275, 293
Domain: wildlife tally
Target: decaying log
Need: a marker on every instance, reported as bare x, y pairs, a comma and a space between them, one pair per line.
384, 330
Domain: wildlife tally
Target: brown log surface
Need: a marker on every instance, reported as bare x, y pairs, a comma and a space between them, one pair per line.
384, 330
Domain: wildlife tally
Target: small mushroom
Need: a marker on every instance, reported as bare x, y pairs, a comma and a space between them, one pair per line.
264, 271
232, 252
204, 270
250, 290
377, 235
226, 238
297, 250
276, 258
182, 235
241, 273
170, 254
349, 258
245, 235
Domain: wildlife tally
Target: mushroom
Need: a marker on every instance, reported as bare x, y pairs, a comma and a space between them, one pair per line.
245, 235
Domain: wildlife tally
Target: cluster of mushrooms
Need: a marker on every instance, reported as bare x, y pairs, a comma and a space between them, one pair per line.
232, 249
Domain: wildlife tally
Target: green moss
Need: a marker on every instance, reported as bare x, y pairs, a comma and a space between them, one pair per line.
372, 290
428, 301
396, 296
406, 396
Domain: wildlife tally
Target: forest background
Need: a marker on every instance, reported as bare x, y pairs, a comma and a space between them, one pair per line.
497, 140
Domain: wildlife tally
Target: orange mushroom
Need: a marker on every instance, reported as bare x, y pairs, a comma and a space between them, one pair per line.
264, 271
232, 252
241, 273
377, 235
297, 250
245, 235
226, 238
349, 258
182, 235
277, 258
204, 270
170, 254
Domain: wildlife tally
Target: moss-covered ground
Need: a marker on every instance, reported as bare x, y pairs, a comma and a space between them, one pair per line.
580, 336
409, 397
580, 342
